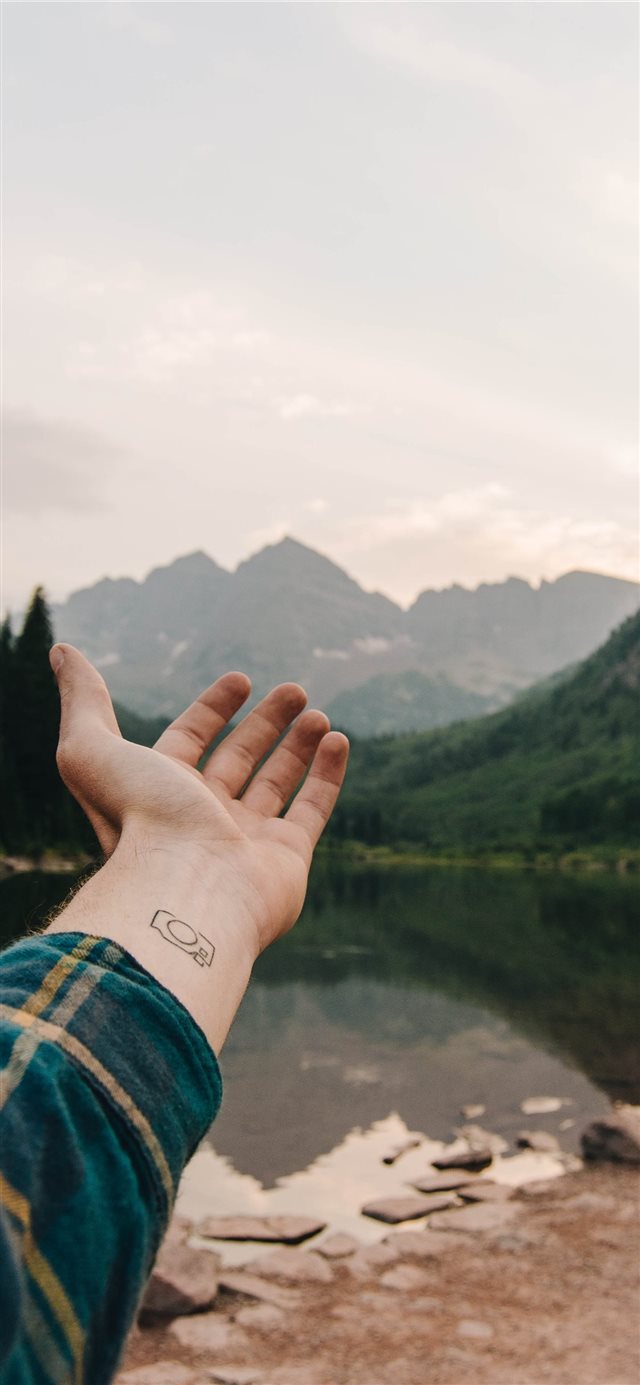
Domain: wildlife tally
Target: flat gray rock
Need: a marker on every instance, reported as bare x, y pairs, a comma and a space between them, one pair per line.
541, 1105
338, 1246
405, 1278
298, 1266
289, 1230
263, 1316
425, 1244
253, 1286
397, 1209
182, 1281
468, 1159
208, 1332
160, 1373
615, 1137
484, 1191
441, 1182
370, 1259
479, 1216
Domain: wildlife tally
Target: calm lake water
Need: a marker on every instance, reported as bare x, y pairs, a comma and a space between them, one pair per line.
411, 994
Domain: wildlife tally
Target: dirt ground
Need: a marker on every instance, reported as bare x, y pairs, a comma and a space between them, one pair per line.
552, 1299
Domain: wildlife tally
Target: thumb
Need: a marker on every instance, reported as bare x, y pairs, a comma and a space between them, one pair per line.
85, 703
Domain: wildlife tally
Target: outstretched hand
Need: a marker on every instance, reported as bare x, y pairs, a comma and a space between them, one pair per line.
227, 815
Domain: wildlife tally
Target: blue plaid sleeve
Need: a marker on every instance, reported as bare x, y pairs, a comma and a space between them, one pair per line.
107, 1085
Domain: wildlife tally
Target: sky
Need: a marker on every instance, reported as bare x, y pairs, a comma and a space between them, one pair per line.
361, 274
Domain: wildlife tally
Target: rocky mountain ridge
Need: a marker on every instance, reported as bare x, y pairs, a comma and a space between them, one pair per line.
290, 612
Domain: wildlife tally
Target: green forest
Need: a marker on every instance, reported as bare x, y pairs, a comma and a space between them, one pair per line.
554, 773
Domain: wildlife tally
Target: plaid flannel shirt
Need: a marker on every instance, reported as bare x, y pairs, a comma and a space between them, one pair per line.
106, 1087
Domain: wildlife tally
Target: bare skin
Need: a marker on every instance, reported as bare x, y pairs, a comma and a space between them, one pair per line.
208, 849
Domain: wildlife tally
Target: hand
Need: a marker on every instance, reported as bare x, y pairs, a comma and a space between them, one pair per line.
227, 816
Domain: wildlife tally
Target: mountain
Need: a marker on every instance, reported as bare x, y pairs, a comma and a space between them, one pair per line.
290, 613
554, 772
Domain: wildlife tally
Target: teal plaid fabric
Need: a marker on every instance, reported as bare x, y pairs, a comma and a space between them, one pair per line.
107, 1085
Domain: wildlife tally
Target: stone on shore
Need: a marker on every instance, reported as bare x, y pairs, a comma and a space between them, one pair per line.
397, 1209
263, 1316
337, 1246
405, 1278
370, 1259
441, 1182
541, 1105
236, 1375
480, 1331
471, 1113
298, 1266
208, 1332
478, 1216
160, 1373
424, 1244
484, 1191
615, 1137
465, 1159
290, 1230
182, 1281
252, 1286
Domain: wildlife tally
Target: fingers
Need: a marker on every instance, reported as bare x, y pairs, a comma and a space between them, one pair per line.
191, 734
233, 762
313, 806
280, 775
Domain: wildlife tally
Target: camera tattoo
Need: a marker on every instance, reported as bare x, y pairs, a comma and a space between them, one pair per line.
182, 935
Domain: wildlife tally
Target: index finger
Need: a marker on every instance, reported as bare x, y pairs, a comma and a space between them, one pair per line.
191, 734
313, 806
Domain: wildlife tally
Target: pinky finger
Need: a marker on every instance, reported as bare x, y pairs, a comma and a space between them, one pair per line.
313, 806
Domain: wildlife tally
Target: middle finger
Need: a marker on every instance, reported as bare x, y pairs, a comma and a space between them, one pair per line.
233, 762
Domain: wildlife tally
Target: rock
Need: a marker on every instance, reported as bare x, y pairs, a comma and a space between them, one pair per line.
471, 1113
479, 1216
615, 1137
441, 1182
339, 1245
486, 1192
182, 1281
423, 1303
542, 1105
264, 1316
252, 1286
424, 1244
566, 1125
298, 1266
208, 1332
405, 1277
160, 1373
236, 1375
371, 1258
468, 1159
397, 1209
399, 1150
479, 1139
469, 1328
290, 1230
588, 1202
540, 1140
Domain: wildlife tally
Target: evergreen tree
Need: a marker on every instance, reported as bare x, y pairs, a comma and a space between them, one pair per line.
11, 808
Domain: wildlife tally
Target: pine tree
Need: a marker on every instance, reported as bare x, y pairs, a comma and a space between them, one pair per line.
11, 808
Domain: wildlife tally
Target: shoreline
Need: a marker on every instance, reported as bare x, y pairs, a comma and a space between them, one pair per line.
357, 855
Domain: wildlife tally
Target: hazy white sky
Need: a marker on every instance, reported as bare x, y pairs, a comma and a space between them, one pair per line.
364, 274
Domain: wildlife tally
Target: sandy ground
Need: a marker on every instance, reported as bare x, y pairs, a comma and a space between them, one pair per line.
552, 1299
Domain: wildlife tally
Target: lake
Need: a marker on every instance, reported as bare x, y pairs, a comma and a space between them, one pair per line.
401, 996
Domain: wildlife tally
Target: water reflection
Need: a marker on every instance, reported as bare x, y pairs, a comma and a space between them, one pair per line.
416, 992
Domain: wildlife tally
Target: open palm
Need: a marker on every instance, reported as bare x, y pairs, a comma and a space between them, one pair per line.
230, 811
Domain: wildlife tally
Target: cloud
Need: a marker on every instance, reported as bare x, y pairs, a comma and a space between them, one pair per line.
441, 60
478, 534
137, 20
51, 464
309, 406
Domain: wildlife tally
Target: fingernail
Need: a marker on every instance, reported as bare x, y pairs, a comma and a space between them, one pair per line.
56, 658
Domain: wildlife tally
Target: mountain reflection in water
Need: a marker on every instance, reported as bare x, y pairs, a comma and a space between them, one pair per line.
416, 992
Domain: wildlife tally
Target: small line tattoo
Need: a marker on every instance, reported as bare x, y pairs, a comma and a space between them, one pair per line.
182, 935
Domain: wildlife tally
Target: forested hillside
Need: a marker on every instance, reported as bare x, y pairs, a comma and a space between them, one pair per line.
555, 772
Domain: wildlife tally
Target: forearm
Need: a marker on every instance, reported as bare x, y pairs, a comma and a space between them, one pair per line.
179, 915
